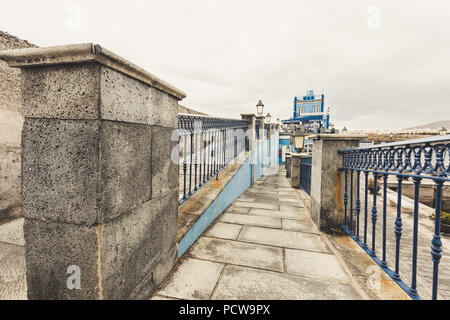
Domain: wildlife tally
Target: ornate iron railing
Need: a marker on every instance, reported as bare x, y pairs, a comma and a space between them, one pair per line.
206, 146
419, 159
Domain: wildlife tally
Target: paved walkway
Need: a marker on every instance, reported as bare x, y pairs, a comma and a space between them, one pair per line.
264, 246
12, 261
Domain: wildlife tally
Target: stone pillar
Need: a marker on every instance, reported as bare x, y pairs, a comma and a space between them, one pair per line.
327, 181
260, 123
99, 188
250, 140
295, 170
288, 165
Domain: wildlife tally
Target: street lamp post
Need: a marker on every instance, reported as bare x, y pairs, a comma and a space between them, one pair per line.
268, 118
260, 108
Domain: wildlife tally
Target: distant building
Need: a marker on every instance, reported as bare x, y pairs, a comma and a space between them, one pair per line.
309, 112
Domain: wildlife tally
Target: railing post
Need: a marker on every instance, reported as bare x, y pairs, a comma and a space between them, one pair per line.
327, 180
96, 158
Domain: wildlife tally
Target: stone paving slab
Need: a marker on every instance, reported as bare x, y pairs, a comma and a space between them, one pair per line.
193, 279
12, 232
224, 230
252, 220
256, 205
297, 225
315, 265
239, 283
282, 238
301, 214
239, 210
239, 253
13, 285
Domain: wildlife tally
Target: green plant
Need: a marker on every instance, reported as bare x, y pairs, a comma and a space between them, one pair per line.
445, 217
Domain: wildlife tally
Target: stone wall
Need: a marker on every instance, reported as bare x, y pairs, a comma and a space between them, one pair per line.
99, 188
11, 122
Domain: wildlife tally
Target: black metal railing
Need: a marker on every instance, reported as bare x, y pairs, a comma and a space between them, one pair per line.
305, 174
206, 146
419, 159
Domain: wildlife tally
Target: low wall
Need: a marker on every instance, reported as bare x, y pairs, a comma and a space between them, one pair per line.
100, 210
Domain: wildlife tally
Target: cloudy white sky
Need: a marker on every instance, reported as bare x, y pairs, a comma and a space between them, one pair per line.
381, 63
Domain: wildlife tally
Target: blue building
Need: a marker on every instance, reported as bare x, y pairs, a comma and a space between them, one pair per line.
309, 112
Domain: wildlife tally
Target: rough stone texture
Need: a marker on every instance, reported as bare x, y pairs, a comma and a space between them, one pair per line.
10, 198
11, 122
143, 102
164, 170
60, 170
50, 248
93, 141
61, 91
295, 170
327, 181
135, 243
126, 166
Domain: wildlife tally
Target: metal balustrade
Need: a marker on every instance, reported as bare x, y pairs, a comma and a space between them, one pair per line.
419, 159
206, 146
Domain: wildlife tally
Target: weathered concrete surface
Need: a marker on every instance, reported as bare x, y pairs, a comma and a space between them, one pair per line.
11, 122
12, 232
194, 279
282, 238
293, 213
224, 231
239, 253
239, 283
251, 220
254, 265
314, 265
327, 181
297, 225
13, 284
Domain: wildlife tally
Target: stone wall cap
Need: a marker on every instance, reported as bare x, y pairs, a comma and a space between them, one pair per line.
86, 52
331, 136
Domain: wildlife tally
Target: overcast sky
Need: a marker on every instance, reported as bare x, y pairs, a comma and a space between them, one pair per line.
381, 64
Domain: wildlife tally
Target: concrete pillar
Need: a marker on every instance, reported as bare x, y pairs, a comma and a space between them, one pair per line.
327, 181
250, 141
260, 123
288, 165
295, 170
99, 188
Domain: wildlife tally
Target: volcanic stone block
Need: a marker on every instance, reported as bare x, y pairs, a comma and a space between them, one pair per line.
126, 166
60, 170
50, 249
134, 245
164, 168
61, 91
